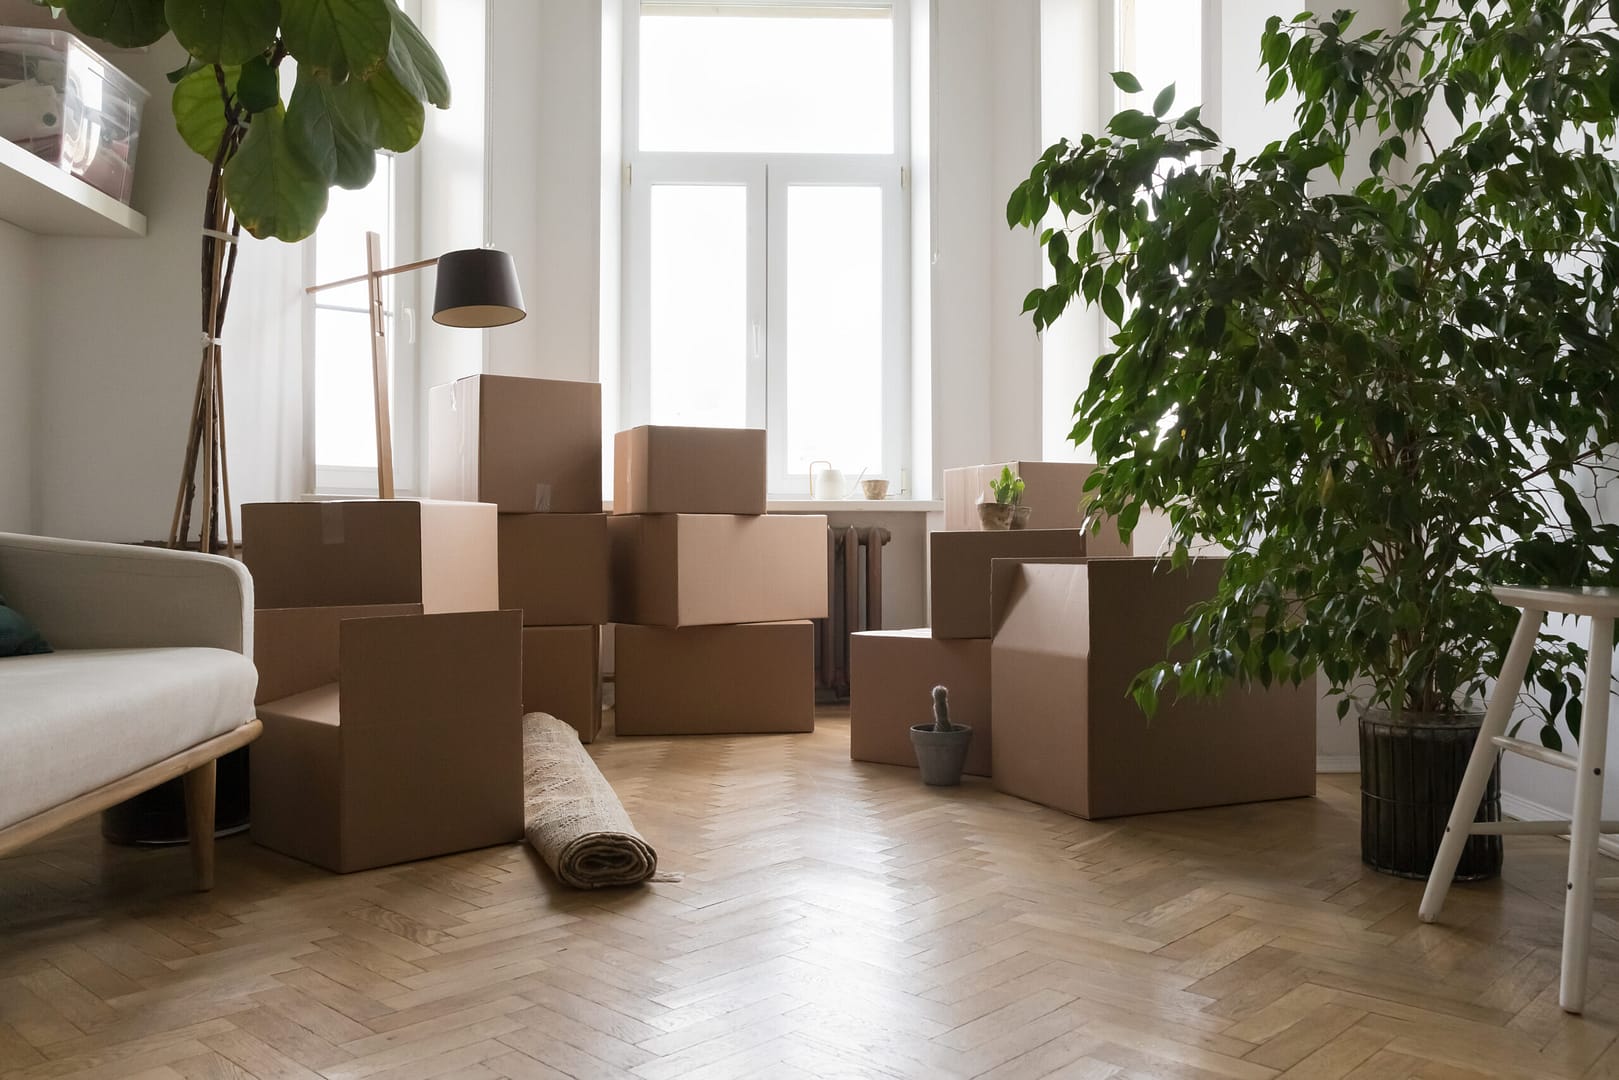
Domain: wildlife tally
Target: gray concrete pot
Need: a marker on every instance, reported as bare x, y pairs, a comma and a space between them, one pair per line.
941, 754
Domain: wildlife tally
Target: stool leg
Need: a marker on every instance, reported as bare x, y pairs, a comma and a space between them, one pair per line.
1480, 765
1586, 821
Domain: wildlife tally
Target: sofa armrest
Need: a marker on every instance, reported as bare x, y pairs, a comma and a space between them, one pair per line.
86, 595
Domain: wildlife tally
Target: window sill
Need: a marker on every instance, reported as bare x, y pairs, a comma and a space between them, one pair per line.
855, 506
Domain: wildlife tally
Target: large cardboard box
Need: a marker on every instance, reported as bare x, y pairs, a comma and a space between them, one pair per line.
892, 674
562, 675
526, 445
689, 470
1069, 639
296, 649
960, 572
441, 555
715, 680
709, 569
416, 751
554, 567
1053, 492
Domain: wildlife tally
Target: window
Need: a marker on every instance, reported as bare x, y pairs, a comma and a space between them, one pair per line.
338, 391
1161, 42
766, 227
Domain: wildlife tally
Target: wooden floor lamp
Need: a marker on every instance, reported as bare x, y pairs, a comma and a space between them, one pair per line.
476, 288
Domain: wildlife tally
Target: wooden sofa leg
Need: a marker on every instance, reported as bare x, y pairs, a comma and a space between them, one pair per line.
199, 785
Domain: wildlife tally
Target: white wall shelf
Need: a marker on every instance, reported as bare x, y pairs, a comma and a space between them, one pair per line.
42, 198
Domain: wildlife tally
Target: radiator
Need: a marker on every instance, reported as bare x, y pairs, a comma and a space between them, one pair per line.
854, 594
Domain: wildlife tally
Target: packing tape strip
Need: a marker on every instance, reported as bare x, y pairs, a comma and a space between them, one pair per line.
331, 523
542, 498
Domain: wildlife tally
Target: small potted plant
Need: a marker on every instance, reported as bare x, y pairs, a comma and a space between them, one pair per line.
1005, 512
941, 747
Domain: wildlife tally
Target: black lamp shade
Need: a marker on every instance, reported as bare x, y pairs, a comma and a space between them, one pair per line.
477, 287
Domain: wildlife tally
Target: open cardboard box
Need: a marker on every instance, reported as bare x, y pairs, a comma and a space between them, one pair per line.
715, 680
526, 445
689, 470
892, 674
1070, 636
415, 751
440, 555
562, 676
712, 569
554, 567
960, 572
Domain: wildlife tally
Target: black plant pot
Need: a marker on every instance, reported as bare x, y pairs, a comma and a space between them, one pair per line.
158, 816
1409, 773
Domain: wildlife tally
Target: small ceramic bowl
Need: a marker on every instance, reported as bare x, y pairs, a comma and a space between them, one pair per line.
874, 489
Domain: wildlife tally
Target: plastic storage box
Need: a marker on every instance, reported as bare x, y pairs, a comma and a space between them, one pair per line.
63, 102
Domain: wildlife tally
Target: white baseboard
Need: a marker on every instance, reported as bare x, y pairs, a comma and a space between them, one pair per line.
1337, 763
1516, 806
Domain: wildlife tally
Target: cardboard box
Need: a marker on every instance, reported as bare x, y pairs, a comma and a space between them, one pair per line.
892, 674
710, 569
526, 445
296, 649
416, 751
562, 675
554, 567
689, 470
1053, 491
715, 680
960, 572
441, 555
1069, 639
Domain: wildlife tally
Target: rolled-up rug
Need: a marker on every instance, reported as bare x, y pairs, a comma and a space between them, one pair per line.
571, 814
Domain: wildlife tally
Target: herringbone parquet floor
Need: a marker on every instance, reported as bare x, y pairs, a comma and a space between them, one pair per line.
835, 920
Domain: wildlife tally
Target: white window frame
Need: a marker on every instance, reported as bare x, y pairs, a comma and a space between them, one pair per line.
766, 177
1115, 40
401, 303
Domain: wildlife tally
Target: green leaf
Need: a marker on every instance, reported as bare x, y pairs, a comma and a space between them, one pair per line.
334, 129
125, 24
224, 31
1127, 82
258, 88
271, 188
199, 109
414, 62
337, 38
1165, 98
400, 117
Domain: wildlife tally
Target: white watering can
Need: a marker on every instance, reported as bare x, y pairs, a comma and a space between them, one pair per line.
829, 483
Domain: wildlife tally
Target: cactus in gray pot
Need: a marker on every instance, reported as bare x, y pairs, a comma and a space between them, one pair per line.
941, 747
941, 710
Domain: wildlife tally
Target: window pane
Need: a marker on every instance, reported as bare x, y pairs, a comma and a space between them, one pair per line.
1162, 43
345, 421
699, 305
340, 238
767, 84
835, 328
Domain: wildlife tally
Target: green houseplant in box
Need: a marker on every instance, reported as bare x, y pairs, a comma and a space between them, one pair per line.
1382, 397
364, 73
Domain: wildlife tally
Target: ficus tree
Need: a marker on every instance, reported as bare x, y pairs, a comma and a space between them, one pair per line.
364, 74
1382, 398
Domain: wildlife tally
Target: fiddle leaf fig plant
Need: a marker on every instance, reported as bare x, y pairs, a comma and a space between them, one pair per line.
1383, 397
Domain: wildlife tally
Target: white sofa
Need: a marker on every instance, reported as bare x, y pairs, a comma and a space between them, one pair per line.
152, 678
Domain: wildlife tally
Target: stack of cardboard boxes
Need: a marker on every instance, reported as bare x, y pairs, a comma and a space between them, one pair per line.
532, 447
1042, 631
388, 682
710, 593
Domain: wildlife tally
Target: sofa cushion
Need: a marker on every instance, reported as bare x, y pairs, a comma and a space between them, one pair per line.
78, 719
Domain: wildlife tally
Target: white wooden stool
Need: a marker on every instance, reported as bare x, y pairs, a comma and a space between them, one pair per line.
1602, 606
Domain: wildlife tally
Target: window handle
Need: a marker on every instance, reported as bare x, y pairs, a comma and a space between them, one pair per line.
755, 335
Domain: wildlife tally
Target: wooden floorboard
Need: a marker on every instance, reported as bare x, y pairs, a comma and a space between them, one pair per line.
833, 919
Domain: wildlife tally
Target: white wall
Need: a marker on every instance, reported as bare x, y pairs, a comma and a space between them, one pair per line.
18, 296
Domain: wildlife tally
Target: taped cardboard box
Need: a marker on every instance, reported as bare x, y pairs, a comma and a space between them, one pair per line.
554, 568
1053, 492
441, 555
711, 569
1070, 637
715, 680
892, 674
689, 470
416, 751
562, 675
296, 649
526, 445
960, 568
